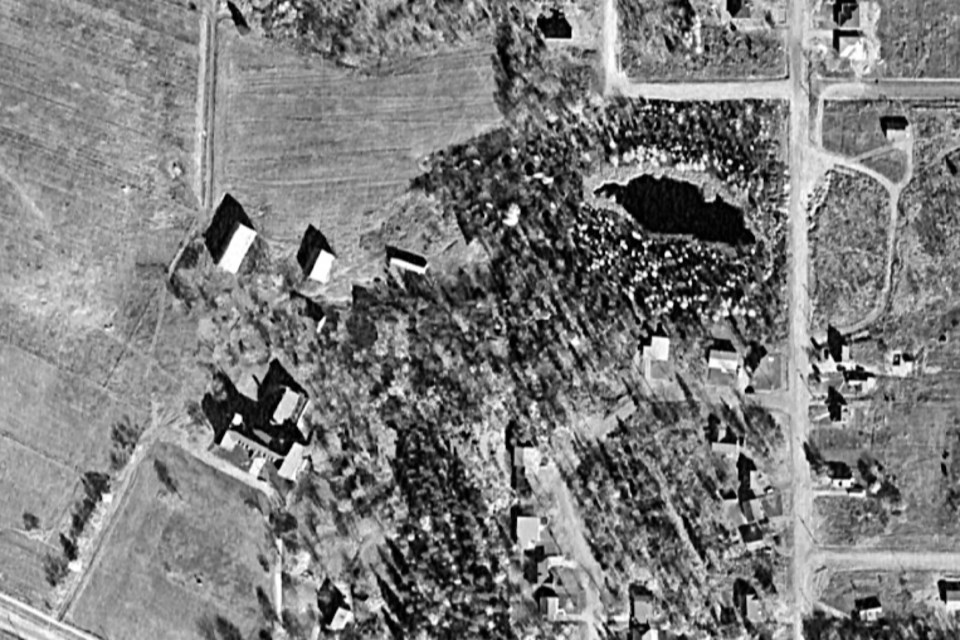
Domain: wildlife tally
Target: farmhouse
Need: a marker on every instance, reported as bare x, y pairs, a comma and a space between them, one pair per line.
335, 611
406, 260
555, 25
315, 256
859, 381
949, 594
846, 14
895, 128
867, 609
230, 235
723, 364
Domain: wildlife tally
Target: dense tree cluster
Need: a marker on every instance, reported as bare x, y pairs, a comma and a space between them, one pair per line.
823, 627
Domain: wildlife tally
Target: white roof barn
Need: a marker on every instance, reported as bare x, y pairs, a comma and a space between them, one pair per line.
315, 255
230, 235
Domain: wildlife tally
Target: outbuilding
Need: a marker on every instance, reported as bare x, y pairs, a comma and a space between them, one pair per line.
406, 260
315, 256
230, 235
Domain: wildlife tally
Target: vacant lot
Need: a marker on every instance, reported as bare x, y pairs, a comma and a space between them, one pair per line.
848, 238
173, 559
920, 38
900, 592
301, 142
670, 41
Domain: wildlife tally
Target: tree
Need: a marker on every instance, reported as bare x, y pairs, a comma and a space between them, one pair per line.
54, 569
69, 547
266, 607
163, 474
30, 521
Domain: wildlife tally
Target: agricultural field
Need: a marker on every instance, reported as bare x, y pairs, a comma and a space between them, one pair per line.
919, 38
302, 142
666, 41
913, 433
900, 593
176, 559
848, 240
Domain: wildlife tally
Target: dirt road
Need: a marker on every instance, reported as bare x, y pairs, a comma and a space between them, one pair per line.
206, 107
852, 559
25, 622
758, 89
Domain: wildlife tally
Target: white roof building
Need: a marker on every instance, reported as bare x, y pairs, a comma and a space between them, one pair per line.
293, 463
529, 529
658, 349
315, 256
230, 235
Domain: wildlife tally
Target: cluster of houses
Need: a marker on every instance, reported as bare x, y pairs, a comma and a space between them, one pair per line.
754, 507
231, 234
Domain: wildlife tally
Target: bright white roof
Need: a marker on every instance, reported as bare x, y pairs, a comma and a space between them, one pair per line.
288, 404
240, 242
659, 348
321, 267
408, 266
293, 462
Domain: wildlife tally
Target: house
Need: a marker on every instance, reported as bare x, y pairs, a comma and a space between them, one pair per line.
555, 25
857, 491
315, 256
846, 14
230, 235
949, 594
723, 364
895, 128
728, 444
655, 355
283, 398
746, 600
841, 477
542, 558
868, 609
334, 610
850, 45
899, 364
837, 408
752, 536
642, 609
752, 511
406, 260
747, 475
859, 380
527, 530
293, 463
739, 9
560, 595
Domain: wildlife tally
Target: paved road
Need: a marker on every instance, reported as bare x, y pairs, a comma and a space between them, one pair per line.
25, 622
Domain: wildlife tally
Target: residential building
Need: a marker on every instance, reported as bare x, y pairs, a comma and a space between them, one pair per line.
554, 26
846, 14
895, 127
527, 530
840, 474
899, 364
850, 45
868, 609
406, 260
859, 381
293, 463
949, 594
283, 398
334, 609
234, 439
230, 235
746, 600
723, 364
654, 358
560, 595
642, 610
315, 255
753, 511
752, 536
728, 443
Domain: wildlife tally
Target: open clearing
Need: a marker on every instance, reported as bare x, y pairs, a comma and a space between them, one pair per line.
299, 141
900, 592
172, 560
852, 127
920, 38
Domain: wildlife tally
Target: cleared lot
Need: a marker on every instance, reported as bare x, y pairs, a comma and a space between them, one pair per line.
299, 141
173, 560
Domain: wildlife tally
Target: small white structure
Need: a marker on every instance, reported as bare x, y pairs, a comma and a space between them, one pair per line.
291, 406
899, 364
658, 350
896, 128
868, 609
512, 216
256, 467
230, 235
406, 260
723, 367
528, 529
315, 256
950, 595
850, 46
293, 463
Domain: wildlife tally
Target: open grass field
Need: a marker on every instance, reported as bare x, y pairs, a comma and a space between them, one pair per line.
96, 119
848, 245
900, 592
908, 434
299, 141
173, 559
920, 38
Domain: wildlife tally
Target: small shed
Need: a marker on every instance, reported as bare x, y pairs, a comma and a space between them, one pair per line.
527, 530
315, 255
335, 611
406, 260
723, 364
230, 235
949, 594
840, 474
293, 463
895, 127
642, 608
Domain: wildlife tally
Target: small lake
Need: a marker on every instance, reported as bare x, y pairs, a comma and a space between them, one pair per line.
662, 205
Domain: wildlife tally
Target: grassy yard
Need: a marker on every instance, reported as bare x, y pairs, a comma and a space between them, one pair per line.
920, 38
173, 560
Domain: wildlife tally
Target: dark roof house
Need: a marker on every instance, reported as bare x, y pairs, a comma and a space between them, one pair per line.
893, 123
846, 13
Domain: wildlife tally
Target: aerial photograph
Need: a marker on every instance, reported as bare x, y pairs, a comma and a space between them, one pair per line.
480, 319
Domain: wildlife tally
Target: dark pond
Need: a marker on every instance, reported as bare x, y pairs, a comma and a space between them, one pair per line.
662, 205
